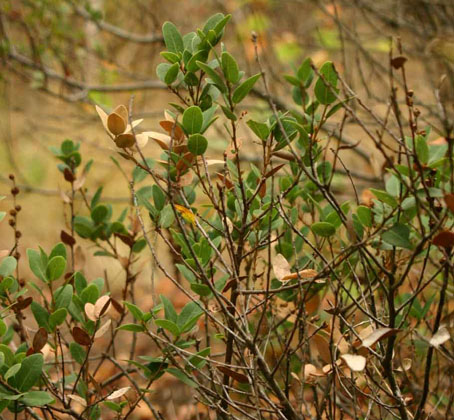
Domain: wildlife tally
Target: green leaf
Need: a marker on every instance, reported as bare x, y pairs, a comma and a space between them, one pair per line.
3, 327
36, 265
99, 213
41, 315
201, 289
242, 90
167, 217
213, 75
169, 310
192, 119
183, 377
57, 318
197, 144
90, 294
169, 326
36, 399
325, 90
261, 130
305, 72
63, 296
189, 316
324, 229
398, 235
199, 359
55, 268
384, 197
135, 311
230, 67
159, 197
131, 327
172, 38
161, 71
12, 371
171, 74
58, 249
7, 266
29, 373
78, 353
422, 149
364, 215
8, 354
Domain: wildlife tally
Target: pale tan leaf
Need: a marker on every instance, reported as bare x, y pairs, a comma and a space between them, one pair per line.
90, 311
118, 393
103, 116
440, 337
135, 123
80, 400
214, 162
121, 111
142, 139
303, 274
355, 362
100, 306
406, 365
281, 267
103, 329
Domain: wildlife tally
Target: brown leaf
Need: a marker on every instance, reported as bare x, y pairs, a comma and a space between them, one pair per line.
444, 239
68, 175
233, 374
274, 170
173, 129
228, 184
22, 303
40, 339
322, 346
125, 140
81, 336
117, 306
122, 112
116, 124
67, 239
449, 200
398, 62
379, 334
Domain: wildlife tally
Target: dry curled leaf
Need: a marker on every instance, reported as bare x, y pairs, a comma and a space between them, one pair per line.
303, 274
101, 306
440, 337
103, 329
355, 362
379, 334
67, 239
90, 311
281, 267
125, 140
78, 399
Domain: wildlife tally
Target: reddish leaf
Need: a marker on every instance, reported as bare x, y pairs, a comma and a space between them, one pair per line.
444, 239
398, 62
449, 200
235, 375
68, 175
67, 239
81, 337
22, 303
40, 339
117, 306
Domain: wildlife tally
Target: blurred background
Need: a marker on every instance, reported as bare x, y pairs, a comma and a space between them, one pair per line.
58, 58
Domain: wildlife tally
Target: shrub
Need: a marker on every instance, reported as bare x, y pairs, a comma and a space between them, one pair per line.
299, 303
